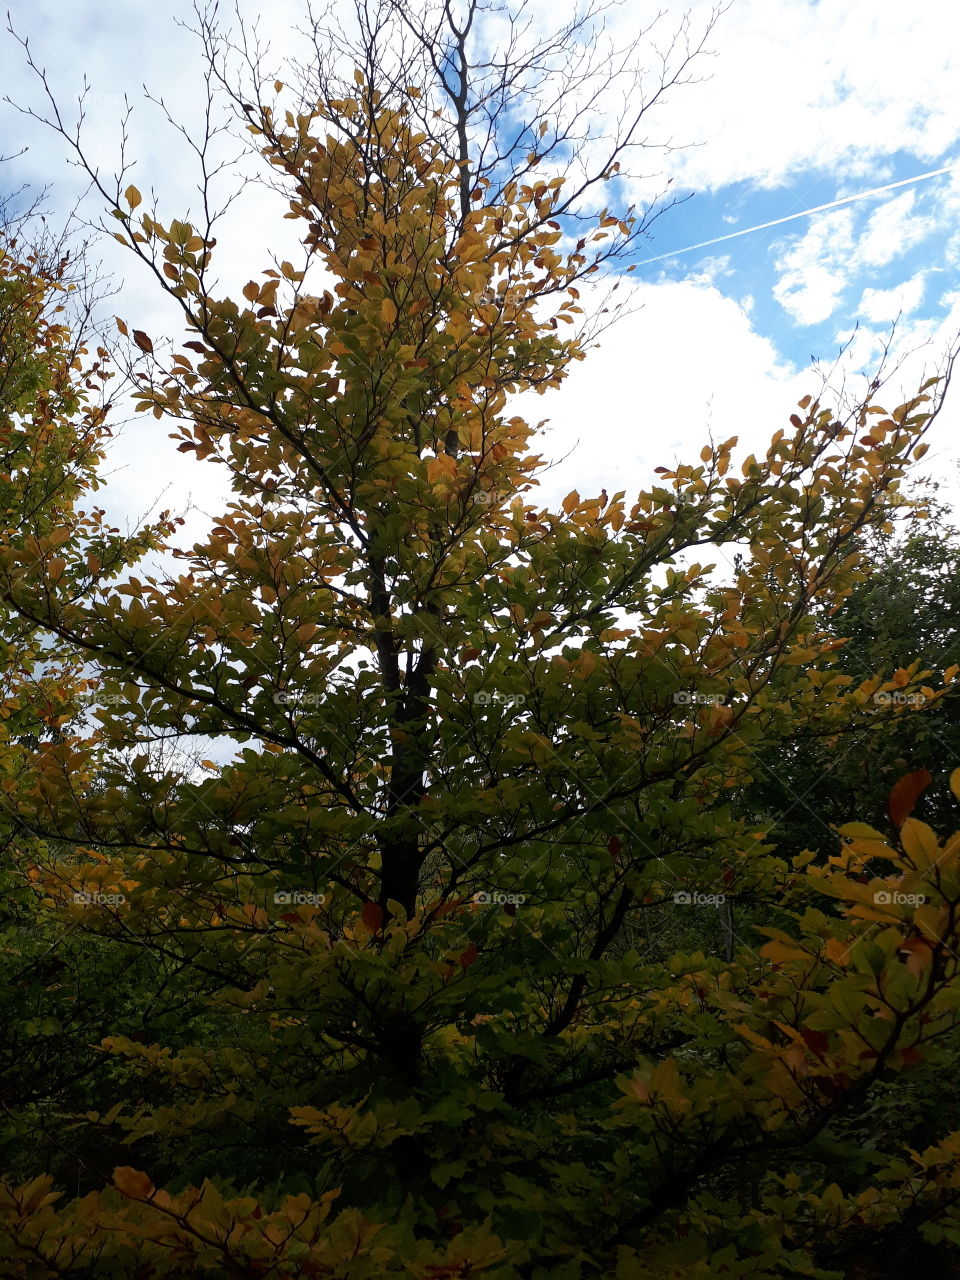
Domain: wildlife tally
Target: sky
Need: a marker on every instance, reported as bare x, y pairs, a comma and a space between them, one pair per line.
793, 104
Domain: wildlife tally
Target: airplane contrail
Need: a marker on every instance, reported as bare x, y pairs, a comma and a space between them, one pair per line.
805, 213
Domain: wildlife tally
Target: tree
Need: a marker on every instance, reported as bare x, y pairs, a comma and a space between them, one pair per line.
907, 610
63, 989
477, 742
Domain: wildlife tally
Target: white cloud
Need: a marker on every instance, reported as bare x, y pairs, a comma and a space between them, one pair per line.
798, 85
813, 270
709, 270
881, 306
810, 293
821, 264
891, 230
685, 366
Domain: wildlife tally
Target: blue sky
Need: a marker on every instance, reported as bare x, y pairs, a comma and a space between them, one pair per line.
811, 281
795, 103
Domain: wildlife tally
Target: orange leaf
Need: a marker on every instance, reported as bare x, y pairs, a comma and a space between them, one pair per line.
918, 955
372, 916
838, 952
132, 1182
905, 794
817, 1042
469, 956
142, 341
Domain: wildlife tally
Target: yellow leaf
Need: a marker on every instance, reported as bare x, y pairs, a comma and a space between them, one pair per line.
585, 664
571, 501
919, 842
955, 783
132, 197
777, 952
251, 291
668, 1086
55, 568
36, 1195
122, 327
861, 830
388, 311
306, 633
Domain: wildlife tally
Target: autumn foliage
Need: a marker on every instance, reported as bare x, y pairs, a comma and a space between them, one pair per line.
478, 749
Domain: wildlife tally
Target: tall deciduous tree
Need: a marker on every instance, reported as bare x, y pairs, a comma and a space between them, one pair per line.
477, 741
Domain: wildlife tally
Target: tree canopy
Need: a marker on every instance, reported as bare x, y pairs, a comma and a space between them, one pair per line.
421, 986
